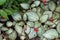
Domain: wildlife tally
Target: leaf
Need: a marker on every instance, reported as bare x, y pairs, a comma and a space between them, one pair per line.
56, 15
37, 3
52, 6
25, 1
30, 24
44, 7
13, 35
18, 29
58, 28
15, 7
8, 3
58, 9
24, 17
32, 16
8, 11
4, 14
2, 2
44, 18
41, 31
37, 24
49, 13
51, 34
25, 5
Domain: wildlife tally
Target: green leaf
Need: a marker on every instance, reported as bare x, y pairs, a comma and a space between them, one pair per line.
2, 2
58, 8
52, 6
58, 28
44, 7
4, 14
15, 7
26, 1
23, 1
8, 11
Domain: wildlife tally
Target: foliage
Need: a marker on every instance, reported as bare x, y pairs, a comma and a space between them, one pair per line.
9, 6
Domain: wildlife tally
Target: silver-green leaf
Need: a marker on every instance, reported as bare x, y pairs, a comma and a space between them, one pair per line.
52, 6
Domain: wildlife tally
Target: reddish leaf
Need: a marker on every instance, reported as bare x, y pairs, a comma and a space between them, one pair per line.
35, 29
44, 1
51, 19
